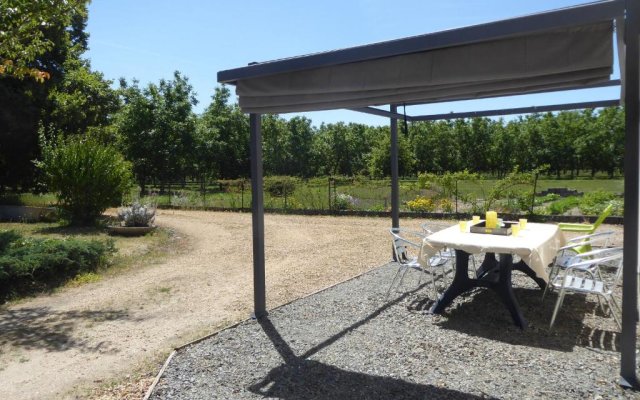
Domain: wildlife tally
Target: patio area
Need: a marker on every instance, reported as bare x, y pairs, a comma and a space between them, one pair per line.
348, 342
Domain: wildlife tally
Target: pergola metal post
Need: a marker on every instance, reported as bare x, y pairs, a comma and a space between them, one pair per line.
395, 185
257, 217
628, 375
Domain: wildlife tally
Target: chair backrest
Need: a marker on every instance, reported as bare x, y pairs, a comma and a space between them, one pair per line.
583, 244
401, 245
611, 257
605, 213
426, 229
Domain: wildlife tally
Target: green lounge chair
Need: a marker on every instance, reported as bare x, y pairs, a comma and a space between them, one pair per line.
587, 228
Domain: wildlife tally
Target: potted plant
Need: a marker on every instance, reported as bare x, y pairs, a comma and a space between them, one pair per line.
135, 220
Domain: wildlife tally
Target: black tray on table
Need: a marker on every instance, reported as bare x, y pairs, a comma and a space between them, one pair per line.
481, 227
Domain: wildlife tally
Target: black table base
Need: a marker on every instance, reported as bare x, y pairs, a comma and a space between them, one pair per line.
492, 274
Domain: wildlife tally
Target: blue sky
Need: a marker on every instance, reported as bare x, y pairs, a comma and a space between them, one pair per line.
148, 40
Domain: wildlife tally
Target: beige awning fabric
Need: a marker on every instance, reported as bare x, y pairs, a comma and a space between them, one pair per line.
522, 64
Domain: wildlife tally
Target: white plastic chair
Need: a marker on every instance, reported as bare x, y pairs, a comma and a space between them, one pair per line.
578, 278
581, 245
406, 255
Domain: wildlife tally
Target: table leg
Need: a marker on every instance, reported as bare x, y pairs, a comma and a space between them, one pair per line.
486, 278
523, 267
461, 283
489, 264
505, 290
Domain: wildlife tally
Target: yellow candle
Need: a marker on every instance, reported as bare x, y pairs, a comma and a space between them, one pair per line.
476, 219
523, 223
492, 219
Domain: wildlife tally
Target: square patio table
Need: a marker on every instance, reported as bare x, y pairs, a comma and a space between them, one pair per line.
536, 246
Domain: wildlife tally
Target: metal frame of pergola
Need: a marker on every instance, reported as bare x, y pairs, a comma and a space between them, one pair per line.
626, 14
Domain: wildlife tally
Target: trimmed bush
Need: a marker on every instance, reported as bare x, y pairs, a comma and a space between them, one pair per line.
87, 176
277, 186
30, 265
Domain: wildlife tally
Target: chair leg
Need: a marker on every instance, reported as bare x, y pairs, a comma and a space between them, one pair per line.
433, 283
615, 311
404, 273
557, 307
393, 281
473, 263
552, 275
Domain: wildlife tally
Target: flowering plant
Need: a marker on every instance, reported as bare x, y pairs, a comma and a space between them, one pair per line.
345, 201
137, 215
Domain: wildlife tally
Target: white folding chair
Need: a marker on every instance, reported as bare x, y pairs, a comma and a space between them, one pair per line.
578, 277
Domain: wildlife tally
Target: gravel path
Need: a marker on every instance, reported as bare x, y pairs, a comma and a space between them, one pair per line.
349, 343
65, 344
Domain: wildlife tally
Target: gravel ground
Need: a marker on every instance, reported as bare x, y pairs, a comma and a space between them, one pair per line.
348, 342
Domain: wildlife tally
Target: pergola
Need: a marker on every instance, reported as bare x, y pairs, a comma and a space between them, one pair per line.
564, 49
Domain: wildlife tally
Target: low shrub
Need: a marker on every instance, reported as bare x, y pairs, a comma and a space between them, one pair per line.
6, 238
278, 186
446, 205
421, 204
594, 203
86, 175
29, 265
563, 205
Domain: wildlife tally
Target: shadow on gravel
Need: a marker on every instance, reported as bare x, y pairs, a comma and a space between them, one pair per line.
39, 327
484, 315
300, 378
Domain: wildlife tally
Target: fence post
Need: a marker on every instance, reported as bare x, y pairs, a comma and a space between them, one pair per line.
242, 194
456, 197
329, 191
285, 194
533, 195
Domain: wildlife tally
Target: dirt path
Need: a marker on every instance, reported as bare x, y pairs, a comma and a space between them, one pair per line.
58, 346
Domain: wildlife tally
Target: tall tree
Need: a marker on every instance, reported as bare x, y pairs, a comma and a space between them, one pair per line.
300, 146
37, 39
226, 130
157, 128
31, 29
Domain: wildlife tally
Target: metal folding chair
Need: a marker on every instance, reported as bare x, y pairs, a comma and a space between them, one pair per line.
577, 278
406, 255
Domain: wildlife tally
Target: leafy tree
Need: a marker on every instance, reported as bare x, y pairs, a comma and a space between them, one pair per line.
435, 146
44, 39
300, 145
225, 129
602, 146
26, 33
275, 146
135, 125
82, 100
380, 161
157, 128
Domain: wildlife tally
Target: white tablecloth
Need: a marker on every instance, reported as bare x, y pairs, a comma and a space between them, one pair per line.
536, 245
